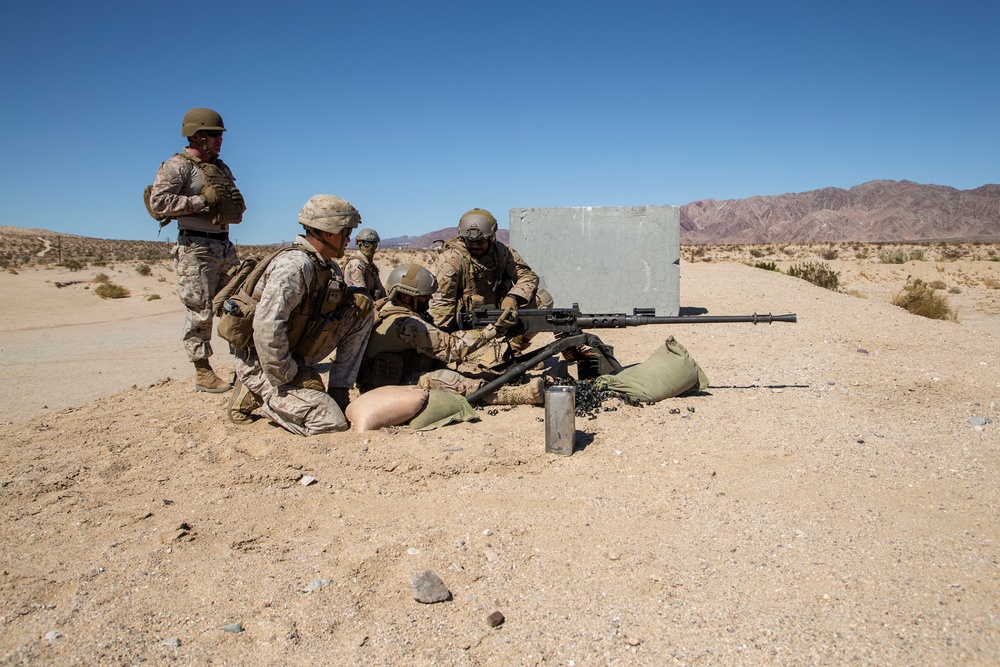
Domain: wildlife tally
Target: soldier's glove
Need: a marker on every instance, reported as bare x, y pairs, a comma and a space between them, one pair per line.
489, 332
358, 296
210, 195
307, 378
508, 318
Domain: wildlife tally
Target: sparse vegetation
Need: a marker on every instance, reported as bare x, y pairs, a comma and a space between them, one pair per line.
73, 265
991, 282
920, 298
896, 256
143, 270
153, 297
110, 290
767, 266
100, 278
816, 273
829, 253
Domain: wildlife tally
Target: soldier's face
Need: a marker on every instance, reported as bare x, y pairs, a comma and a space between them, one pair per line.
209, 141
477, 247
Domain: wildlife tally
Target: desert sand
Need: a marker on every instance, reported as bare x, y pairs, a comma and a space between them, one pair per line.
831, 499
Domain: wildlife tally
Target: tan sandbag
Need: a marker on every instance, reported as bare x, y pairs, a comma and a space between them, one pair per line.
669, 371
385, 406
442, 409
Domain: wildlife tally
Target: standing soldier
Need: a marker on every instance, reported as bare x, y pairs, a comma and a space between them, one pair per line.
406, 348
361, 271
304, 313
197, 189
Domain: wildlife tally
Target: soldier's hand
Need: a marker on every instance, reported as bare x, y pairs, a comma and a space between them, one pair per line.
359, 298
489, 332
210, 195
508, 318
307, 378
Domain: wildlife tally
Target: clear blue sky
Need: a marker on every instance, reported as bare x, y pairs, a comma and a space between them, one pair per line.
418, 111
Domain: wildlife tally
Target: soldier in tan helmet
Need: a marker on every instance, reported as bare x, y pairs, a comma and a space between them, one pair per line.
198, 190
475, 271
360, 270
407, 348
305, 313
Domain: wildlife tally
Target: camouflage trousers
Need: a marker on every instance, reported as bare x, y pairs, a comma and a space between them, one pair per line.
448, 380
202, 267
308, 411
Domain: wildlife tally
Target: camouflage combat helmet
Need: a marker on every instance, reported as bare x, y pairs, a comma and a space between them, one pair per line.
477, 224
411, 279
329, 214
201, 119
367, 234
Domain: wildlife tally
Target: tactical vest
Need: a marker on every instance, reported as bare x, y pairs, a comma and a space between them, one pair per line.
480, 285
227, 211
387, 361
312, 324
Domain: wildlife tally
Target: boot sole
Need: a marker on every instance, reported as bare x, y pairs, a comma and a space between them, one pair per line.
212, 391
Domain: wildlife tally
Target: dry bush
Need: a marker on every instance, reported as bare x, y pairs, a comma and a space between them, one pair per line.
919, 298
829, 253
153, 297
817, 273
143, 270
991, 282
896, 256
937, 284
111, 291
100, 278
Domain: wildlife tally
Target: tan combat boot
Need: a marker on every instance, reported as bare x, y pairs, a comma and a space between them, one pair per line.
520, 394
205, 379
242, 404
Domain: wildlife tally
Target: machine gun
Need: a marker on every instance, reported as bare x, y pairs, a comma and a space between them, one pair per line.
570, 325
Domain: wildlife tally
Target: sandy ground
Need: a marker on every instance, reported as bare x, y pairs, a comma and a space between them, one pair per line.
831, 499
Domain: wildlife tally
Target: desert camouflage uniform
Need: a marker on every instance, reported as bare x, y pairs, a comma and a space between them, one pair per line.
202, 264
359, 272
465, 282
267, 369
425, 350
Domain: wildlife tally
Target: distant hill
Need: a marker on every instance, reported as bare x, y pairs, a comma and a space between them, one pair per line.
873, 212
877, 211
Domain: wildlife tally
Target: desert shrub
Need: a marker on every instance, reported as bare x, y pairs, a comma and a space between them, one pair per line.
700, 251
917, 255
861, 255
887, 256
100, 278
816, 273
99, 261
950, 253
920, 298
767, 266
72, 264
755, 252
991, 282
937, 284
111, 291
829, 253
162, 279
955, 290
143, 270
12, 271
153, 297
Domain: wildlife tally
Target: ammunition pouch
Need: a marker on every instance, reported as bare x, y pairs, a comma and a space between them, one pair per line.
236, 321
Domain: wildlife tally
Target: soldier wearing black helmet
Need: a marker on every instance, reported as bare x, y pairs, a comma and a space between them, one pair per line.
405, 346
360, 270
198, 190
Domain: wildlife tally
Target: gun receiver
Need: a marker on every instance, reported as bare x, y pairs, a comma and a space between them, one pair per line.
570, 326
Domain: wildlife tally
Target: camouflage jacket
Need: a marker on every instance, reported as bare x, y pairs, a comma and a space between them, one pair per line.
465, 282
176, 193
359, 272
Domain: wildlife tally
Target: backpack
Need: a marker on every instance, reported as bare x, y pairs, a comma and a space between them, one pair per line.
235, 304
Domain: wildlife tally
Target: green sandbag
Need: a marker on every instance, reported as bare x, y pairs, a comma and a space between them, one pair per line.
442, 409
669, 372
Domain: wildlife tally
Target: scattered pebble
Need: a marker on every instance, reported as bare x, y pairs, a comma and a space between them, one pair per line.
413, 552
53, 635
978, 421
316, 585
633, 641
495, 619
487, 532
171, 642
234, 628
453, 449
428, 588
306, 480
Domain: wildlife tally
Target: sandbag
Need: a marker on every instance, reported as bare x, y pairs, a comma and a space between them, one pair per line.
442, 409
669, 371
385, 406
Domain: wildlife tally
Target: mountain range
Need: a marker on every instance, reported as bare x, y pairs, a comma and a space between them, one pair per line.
873, 212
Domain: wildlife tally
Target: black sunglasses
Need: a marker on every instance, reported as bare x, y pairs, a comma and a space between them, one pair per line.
215, 134
367, 243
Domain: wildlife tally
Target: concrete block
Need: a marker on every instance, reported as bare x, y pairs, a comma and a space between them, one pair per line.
608, 259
